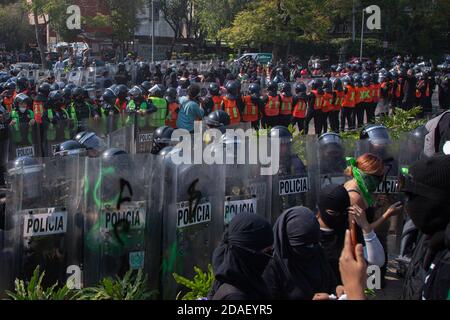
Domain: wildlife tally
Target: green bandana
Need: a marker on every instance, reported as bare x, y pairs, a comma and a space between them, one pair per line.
360, 181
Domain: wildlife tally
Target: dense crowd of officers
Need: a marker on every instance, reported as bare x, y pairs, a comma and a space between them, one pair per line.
346, 99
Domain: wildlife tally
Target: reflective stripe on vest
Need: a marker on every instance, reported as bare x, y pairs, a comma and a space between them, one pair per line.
230, 107
272, 107
339, 100
159, 117
349, 99
250, 110
172, 116
217, 101
38, 109
300, 109
286, 105
318, 102
327, 102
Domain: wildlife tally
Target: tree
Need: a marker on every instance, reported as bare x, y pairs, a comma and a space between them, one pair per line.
16, 32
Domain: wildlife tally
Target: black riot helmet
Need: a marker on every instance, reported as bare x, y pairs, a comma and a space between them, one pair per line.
55, 98
232, 89
121, 91
171, 95
78, 93
162, 138
54, 87
331, 150
22, 98
376, 134
44, 89
22, 83
119, 160
109, 96
282, 133
214, 89
70, 148
327, 86
317, 84
337, 84
286, 89
254, 89
135, 92
93, 144
218, 119
157, 91
146, 85
272, 87
300, 87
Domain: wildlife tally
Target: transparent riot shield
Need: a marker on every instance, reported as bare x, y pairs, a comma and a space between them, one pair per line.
331, 154
293, 185
61, 76
121, 132
75, 77
55, 133
120, 232
143, 132
89, 76
245, 187
41, 219
25, 140
192, 219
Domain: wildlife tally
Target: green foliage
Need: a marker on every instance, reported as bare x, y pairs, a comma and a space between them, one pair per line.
402, 121
370, 293
131, 287
15, 30
33, 290
199, 286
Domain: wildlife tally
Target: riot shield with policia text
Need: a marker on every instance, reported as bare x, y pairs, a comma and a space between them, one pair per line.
118, 222
40, 214
192, 218
293, 185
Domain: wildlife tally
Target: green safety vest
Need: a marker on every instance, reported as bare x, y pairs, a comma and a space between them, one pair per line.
140, 118
16, 134
158, 119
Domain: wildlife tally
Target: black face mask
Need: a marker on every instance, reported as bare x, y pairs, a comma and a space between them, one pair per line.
336, 222
428, 215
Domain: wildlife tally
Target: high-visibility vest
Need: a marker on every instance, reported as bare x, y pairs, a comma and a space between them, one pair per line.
318, 102
286, 105
217, 101
230, 107
122, 107
158, 119
300, 109
172, 116
398, 91
339, 100
419, 92
375, 92
358, 95
8, 102
327, 102
349, 99
392, 88
38, 110
250, 113
366, 94
272, 107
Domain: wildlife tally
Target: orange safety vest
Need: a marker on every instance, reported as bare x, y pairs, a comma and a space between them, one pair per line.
340, 95
286, 105
300, 109
172, 117
349, 99
122, 107
375, 92
8, 102
366, 94
398, 91
318, 100
327, 102
217, 100
230, 107
38, 110
391, 90
427, 90
250, 113
272, 107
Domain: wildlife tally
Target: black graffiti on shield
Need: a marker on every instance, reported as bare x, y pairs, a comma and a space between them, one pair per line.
194, 195
123, 224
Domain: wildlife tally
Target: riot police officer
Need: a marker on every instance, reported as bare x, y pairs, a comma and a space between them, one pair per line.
161, 139
271, 104
81, 109
213, 100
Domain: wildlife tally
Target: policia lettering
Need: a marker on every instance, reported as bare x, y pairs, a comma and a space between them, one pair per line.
293, 186
194, 211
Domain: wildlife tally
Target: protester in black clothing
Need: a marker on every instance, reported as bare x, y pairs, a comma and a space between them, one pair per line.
299, 268
427, 190
409, 90
240, 259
